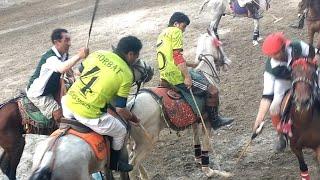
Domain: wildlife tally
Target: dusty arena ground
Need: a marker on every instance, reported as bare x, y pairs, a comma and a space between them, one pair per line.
24, 36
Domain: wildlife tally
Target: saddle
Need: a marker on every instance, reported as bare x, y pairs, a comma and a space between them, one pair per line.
33, 120
100, 145
177, 113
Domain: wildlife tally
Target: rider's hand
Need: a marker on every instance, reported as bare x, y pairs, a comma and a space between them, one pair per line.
83, 52
134, 120
188, 82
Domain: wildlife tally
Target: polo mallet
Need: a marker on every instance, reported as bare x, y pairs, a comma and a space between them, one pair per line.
92, 19
276, 19
254, 135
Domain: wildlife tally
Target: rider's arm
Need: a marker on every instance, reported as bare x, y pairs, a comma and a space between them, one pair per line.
66, 65
263, 109
267, 97
182, 65
124, 113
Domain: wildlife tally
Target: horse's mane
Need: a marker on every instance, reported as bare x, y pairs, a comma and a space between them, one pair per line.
14, 99
303, 62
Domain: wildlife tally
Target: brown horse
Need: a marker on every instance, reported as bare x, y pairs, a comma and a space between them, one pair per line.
13, 128
313, 20
304, 112
12, 140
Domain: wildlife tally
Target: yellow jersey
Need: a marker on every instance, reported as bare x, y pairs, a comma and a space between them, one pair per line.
104, 76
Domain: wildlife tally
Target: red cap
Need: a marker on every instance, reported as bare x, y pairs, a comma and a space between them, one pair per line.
273, 43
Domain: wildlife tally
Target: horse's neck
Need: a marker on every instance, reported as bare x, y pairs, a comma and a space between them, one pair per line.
207, 63
301, 117
204, 67
148, 110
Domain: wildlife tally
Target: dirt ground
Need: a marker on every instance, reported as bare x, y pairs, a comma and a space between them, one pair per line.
25, 34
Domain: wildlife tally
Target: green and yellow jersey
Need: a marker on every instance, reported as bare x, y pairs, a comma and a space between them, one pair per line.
170, 39
105, 76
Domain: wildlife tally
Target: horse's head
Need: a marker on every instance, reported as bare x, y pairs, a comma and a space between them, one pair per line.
210, 55
142, 71
209, 47
304, 82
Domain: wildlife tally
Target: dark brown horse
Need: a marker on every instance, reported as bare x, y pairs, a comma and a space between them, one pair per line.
304, 112
12, 130
313, 20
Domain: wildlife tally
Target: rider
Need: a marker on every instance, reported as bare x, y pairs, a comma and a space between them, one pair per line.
174, 71
302, 9
281, 53
43, 84
106, 79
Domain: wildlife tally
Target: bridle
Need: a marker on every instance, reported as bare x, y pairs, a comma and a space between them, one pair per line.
214, 75
311, 83
142, 68
146, 73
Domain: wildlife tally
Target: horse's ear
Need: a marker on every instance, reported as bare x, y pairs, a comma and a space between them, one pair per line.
209, 32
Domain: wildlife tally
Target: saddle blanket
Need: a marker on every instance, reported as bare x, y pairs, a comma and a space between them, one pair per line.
100, 147
176, 108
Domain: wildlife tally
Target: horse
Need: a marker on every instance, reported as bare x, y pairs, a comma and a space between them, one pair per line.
150, 113
313, 20
14, 124
220, 7
304, 112
53, 158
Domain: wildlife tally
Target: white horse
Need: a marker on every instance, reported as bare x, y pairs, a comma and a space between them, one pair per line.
221, 7
148, 110
70, 157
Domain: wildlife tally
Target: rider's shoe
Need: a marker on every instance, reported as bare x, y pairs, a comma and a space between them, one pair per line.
117, 164
216, 120
220, 121
123, 167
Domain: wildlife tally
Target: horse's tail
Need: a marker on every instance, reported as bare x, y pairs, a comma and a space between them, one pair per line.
44, 170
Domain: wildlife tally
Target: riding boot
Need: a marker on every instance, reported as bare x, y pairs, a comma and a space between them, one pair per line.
280, 143
299, 23
215, 119
253, 10
117, 164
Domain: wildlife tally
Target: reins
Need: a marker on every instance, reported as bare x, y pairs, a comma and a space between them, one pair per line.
214, 75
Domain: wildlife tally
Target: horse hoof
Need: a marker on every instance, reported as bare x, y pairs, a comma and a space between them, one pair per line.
209, 172
255, 42
197, 160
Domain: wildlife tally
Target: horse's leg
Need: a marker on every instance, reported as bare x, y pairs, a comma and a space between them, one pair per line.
215, 23
11, 140
318, 160
143, 146
13, 145
196, 143
303, 166
310, 33
205, 153
205, 149
256, 33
